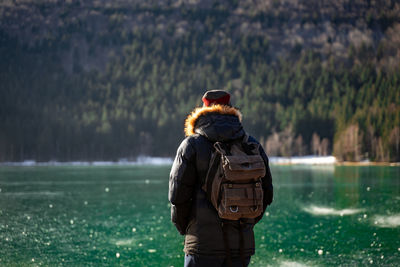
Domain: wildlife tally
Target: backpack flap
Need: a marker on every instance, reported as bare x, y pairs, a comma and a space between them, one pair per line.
243, 167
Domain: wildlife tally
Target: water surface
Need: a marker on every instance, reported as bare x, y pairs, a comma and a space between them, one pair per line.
119, 216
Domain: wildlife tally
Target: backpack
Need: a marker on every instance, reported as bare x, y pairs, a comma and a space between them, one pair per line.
233, 181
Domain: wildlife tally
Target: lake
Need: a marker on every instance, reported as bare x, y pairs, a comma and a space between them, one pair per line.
119, 216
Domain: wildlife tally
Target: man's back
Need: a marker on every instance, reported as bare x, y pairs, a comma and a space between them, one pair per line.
193, 215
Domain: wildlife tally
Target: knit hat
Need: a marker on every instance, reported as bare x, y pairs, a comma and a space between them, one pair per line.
216, 97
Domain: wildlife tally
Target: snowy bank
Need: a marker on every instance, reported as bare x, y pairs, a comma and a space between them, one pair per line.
305, 160
146, 160
141, 160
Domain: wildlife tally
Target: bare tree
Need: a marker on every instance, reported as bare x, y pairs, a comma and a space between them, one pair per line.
394, 141
348, 145
324, 147
299, 146
273, 144
287, 142
280, 144
316, 144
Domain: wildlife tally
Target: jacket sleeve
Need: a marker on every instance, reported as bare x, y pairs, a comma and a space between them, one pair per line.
266, 184
182, 181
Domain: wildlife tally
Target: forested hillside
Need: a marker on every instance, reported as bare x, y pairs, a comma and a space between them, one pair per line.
103, 79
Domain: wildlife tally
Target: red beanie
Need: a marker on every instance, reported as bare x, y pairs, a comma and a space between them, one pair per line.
213, 97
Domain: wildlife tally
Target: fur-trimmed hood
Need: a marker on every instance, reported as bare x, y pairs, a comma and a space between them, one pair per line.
216, 122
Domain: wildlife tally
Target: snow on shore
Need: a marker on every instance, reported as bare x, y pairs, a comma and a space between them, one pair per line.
142, 160
305, 160
145, 160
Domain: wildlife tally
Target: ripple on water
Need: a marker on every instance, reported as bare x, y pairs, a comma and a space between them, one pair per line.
124, 242
292, 264
325, 211
79, 182
33, 194
387, 221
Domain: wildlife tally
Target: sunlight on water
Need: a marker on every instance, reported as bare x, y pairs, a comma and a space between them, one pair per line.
391, 221
117, 182
141, 160
124, 242
319, 210
33, 194
293, 264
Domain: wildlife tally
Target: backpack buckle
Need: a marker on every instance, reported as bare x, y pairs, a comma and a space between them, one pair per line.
254, 208
234, 210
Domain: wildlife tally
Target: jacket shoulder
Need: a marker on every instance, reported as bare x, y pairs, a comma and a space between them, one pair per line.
194, 139
191, 144
253, 140
262, 151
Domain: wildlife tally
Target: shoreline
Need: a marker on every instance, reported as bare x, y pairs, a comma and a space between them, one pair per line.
144, 160
368, 163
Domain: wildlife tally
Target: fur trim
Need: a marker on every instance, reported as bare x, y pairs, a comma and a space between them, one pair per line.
190, 121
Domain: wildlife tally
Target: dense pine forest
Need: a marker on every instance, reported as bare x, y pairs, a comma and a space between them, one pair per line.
104, 80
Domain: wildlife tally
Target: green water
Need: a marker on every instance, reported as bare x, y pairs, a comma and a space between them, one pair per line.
119, 216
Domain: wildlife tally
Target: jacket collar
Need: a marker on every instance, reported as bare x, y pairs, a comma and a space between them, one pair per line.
190, 122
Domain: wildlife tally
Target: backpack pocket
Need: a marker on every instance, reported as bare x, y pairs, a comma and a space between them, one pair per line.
241, 200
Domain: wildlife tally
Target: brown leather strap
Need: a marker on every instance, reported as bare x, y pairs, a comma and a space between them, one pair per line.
215, 160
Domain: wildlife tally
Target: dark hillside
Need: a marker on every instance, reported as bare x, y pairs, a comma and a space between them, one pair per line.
91, 80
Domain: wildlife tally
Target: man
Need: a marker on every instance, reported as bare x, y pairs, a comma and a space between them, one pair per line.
207, 243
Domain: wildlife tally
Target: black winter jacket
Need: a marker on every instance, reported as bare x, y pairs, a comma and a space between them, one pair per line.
191, 212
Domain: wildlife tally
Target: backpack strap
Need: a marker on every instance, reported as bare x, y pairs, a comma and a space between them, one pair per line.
215, 161
224, 148
246, 138
251, 148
